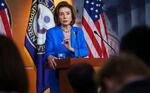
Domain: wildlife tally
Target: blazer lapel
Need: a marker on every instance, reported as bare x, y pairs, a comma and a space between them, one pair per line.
60, 33
73, 37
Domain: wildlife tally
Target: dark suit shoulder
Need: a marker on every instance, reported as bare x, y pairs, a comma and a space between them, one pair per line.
140, 86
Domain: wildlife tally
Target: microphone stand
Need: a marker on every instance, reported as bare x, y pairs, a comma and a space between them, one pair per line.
105, 42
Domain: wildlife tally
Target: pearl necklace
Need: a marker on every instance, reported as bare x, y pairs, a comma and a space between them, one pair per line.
66, 31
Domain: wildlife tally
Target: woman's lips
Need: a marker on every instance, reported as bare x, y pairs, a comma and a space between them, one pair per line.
65, 21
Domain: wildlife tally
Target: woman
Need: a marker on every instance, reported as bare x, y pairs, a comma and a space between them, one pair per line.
64, 39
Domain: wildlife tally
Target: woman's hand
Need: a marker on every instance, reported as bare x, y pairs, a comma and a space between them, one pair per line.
66, 42
51, 61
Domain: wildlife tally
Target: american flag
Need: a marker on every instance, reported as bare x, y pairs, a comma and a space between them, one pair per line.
93, 20
5, 28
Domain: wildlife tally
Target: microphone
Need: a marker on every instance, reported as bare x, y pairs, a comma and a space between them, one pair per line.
77, 43
105, 42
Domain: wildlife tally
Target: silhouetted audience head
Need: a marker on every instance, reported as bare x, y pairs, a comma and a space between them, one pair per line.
120, 70
13, 77
81, 78
136, 41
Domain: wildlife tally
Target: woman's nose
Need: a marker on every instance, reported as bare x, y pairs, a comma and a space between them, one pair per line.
65, 16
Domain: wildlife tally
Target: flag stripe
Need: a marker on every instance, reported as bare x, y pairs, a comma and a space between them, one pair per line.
104, 22
2, 30
90, 45
6, 25
102, 35
90, 53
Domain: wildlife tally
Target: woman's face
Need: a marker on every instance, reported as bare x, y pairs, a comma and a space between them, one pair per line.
65, 16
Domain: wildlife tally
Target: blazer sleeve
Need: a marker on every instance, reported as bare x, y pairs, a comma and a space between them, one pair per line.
49, 47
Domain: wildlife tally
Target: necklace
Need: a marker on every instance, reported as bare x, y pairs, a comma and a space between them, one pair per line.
66, 31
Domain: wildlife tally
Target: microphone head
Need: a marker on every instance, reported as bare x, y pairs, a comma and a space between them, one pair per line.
95, 32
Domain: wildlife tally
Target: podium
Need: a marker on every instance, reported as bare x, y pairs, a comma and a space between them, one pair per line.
63, 66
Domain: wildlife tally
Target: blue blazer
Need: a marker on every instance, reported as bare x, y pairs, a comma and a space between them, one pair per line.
54, 38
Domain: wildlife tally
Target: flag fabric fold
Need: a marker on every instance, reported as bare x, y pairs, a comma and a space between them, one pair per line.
93, 20
40, 20
5, 20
